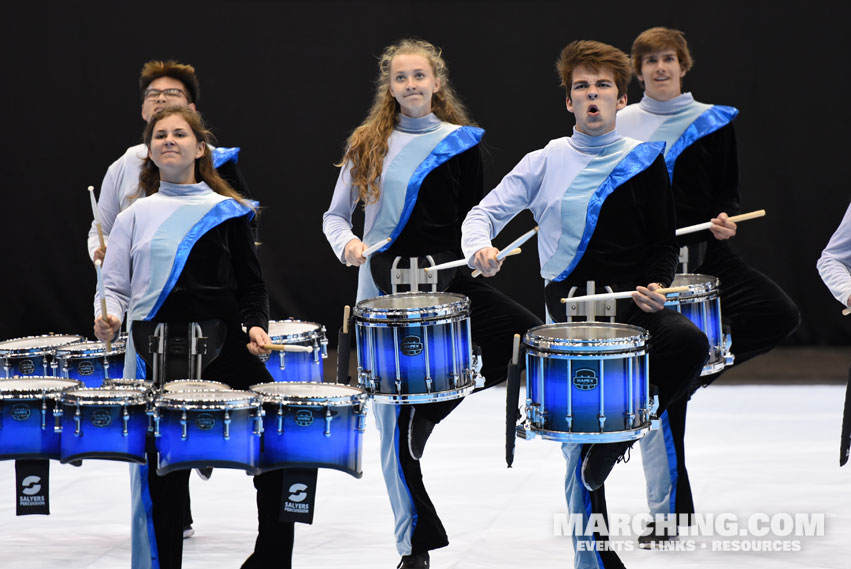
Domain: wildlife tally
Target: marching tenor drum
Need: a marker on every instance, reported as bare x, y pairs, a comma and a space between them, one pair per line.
195, 385
90, 362
33, 355
108, 423
312, 425
587, 382
297, 365
702, 305
416, 347
199, 429
29, 416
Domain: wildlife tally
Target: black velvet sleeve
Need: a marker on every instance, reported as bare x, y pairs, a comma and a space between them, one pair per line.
232, 174
251, 292
660, 216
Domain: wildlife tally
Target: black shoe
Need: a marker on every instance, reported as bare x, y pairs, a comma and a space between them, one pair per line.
599, 461
651, 539
205, 473
188, 531
419, 429
414, 561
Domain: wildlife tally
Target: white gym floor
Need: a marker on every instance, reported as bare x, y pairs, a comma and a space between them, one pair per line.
750, 449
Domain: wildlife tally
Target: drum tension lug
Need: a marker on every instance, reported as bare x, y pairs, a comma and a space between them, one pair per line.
328, 421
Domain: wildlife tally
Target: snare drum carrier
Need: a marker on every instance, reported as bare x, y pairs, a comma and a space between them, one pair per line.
415, 347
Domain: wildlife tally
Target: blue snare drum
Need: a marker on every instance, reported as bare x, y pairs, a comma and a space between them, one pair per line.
108, 423
318, 425
33, 355
587, 382
195, 385
415, 347
702, 305
90, 362
302, 365
198, 429
29, 418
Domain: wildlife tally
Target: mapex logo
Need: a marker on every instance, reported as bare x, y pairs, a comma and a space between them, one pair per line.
21, 412
30, 485
297, 492
304, 418
101, 418
412, 345
86, 367
585, 379
26, 367
205, 421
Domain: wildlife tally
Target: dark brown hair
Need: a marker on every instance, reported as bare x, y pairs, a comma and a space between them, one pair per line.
180, 71
657, 39
596, 56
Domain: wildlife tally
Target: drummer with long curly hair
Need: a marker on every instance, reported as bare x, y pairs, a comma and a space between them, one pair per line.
415, 165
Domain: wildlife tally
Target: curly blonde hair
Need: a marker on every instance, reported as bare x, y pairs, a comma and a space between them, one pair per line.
367, 145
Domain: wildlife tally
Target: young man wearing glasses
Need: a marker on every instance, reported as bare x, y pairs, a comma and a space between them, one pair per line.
162, 84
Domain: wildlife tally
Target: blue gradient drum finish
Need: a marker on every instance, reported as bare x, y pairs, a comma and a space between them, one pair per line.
32, 355
297, 366
702, 305
28, 419
415, 347
90, 362
197, 429
317, 425
107, 423
587, 382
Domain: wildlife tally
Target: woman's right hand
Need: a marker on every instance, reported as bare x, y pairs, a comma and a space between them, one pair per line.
108, 329
354, 253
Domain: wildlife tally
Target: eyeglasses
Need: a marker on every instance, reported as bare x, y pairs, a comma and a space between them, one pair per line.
174, 93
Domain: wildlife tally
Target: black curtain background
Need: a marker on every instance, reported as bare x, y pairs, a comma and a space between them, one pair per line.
287, 82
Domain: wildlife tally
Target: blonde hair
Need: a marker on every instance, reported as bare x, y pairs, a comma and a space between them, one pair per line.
367, 145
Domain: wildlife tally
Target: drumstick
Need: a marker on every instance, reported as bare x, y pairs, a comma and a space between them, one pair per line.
373, 248
346, 310
708, 224
515, 350
619, 295
103, 312
511, 246
462, 262
286, 348
97, 217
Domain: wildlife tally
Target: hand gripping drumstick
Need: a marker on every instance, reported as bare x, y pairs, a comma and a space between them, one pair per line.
97, 217
846, 311
619, 295
708, 224
373, 248
513, 245
286, 348
103, 312
462, 262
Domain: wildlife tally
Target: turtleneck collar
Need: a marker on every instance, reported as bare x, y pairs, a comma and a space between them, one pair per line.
669, 107
420, 125
592, 144
179, 190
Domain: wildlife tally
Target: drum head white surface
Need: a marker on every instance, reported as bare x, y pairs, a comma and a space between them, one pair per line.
90, 348
586, 331
29, 385
305, 390
195, 385
96, 395
292, 328
35, 342
207, 399
411, 300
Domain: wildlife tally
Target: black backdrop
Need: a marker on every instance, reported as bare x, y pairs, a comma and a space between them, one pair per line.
288, 81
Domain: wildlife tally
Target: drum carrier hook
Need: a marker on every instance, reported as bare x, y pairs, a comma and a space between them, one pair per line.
413, 276
591, 310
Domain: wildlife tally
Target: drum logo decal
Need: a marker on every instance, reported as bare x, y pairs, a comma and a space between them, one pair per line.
412, 345
205, 421
26, 367
304, 417
21, 412
585, 379
101, 418
86, 367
